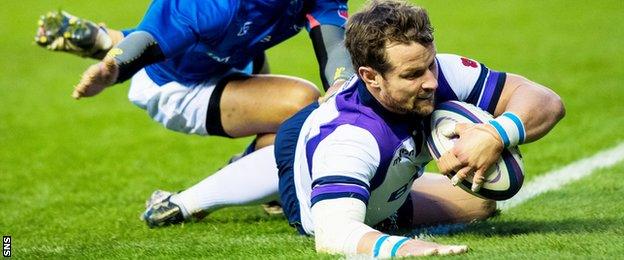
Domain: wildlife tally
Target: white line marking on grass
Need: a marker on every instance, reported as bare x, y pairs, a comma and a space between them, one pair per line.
549, 181
556, 179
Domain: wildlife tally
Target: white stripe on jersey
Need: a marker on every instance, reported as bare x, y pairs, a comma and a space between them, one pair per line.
461, 78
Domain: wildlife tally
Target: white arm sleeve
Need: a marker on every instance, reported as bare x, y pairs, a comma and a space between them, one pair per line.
339, 225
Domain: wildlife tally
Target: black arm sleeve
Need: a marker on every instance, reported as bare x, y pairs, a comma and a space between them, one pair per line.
333, 58
134, 52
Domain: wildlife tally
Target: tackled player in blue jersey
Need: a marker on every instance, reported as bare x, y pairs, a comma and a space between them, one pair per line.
348, 164
195, 65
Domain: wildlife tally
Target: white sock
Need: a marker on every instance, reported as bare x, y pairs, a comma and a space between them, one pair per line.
250, 180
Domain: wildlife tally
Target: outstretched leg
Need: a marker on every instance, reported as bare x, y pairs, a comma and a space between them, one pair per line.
249, 181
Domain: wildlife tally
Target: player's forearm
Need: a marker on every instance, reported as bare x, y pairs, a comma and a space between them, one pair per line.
538, 107
332, 56
134, 52
339, 68
339, 228
350, 237
338, 225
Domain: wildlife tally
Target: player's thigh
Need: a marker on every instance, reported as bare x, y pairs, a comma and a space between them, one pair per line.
436, 201
260, 103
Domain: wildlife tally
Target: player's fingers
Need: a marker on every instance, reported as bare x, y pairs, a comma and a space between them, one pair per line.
88, 76
461, 127
477, 180
452, 250
442, 166
448, 130
422, 252
461, 175
81, 89
77, 93
430, 252
448, 163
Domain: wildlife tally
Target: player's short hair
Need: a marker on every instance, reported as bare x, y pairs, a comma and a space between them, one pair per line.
382, 22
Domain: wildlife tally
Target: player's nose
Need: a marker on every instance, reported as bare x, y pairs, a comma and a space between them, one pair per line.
430, 81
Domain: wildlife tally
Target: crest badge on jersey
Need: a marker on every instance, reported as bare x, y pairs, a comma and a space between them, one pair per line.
344, 14
244, 29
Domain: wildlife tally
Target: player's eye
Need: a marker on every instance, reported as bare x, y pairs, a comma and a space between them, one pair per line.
413, 75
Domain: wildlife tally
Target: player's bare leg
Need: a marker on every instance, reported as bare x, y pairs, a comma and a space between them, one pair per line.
61, 31
264, 140
436, 201
261, 103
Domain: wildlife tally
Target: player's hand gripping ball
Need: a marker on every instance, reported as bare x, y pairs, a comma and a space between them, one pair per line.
504, 179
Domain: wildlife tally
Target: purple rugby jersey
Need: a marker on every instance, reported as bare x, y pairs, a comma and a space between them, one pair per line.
352, 147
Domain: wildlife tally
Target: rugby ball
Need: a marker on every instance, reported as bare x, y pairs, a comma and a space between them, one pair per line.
504, 178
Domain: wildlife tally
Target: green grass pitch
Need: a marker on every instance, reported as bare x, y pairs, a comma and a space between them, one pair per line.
74, 174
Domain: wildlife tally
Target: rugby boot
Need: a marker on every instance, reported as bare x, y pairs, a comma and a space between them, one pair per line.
61, 31
273, 208
156, 197
163, 213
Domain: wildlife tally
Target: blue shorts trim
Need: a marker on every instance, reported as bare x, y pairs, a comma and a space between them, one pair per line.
285, 146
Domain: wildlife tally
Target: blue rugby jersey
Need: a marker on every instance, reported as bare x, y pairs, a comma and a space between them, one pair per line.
204, 39
350, 146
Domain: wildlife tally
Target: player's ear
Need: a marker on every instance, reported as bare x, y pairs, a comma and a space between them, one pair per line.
369, 76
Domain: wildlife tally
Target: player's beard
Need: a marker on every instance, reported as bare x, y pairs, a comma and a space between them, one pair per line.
424, 107
417, 106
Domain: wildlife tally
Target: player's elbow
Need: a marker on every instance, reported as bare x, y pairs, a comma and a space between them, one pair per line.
560, 108
556, 107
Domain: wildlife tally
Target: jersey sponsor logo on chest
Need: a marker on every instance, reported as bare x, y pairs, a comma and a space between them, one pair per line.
406, 153
217, 58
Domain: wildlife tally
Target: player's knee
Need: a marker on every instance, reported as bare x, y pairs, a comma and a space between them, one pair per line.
486, 209
299, 96
306, 93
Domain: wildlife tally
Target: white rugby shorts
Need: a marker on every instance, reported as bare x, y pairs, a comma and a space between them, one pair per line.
178, 107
